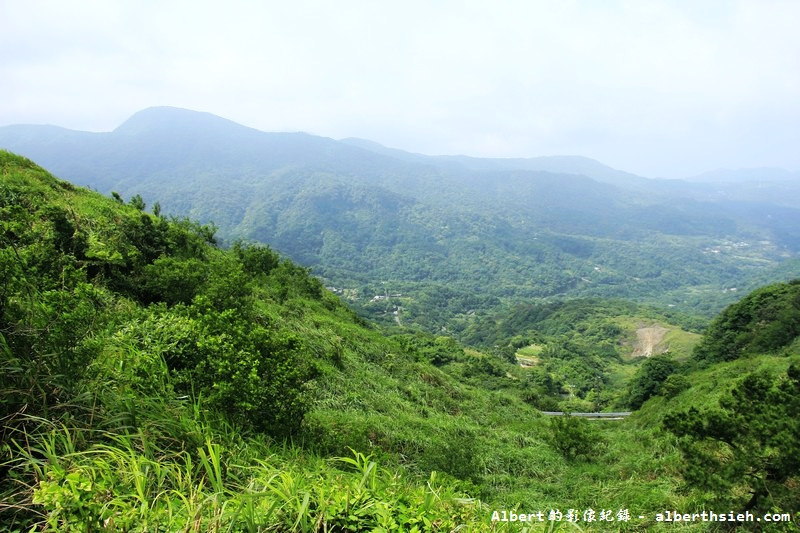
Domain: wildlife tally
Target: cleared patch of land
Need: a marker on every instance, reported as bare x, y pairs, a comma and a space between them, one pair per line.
649, 341
529, 355
645, 337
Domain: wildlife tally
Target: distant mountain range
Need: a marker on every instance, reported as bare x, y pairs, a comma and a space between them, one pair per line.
453, 235
745, 175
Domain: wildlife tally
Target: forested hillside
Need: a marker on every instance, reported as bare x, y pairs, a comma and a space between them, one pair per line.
152, 380
432, 241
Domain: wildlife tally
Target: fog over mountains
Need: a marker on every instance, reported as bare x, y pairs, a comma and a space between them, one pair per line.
453, 233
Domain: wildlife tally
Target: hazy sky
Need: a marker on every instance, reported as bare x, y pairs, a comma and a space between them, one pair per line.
659, 88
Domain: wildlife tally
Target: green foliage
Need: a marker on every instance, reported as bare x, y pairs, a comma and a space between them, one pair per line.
437, 350
577, 366
650, 380
137, 203
585, 347
149, 381
766, 320
132, 482
173, 280
587, 321
540, 389
79, 270
256, 260
258, 381
149, 343
457, 453
484, 367
745, 453
674, 385
574, 438
75, 499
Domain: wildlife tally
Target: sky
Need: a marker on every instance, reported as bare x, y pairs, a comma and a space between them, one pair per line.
658, 88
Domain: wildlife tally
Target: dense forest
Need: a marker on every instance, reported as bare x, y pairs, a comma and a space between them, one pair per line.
154, 380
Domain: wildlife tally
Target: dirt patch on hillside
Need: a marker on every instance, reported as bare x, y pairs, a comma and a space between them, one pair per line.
648, 341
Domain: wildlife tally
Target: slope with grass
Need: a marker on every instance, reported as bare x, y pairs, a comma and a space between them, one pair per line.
153, 381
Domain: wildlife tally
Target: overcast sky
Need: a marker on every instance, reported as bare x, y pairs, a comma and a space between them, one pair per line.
659, 88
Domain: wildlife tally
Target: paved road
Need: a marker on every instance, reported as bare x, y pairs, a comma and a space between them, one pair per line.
609, 416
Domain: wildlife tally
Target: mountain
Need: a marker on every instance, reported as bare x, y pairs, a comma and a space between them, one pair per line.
742, 175
775, 186
449, 236
582, 166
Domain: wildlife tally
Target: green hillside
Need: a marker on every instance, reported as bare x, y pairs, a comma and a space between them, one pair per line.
585, 352
152, 380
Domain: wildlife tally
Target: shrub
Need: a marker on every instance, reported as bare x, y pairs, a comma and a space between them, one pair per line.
649, 379
674, 385
574, 438
746, 452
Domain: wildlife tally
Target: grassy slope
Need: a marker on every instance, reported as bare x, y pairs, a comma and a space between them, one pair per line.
98, 435
113, 444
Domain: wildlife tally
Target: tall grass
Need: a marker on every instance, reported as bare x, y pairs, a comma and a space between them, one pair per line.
72, 478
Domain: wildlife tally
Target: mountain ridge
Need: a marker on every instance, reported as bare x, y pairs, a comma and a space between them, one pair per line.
156, 117
153, 117
485, 231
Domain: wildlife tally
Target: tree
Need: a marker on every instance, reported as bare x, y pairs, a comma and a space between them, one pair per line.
137, 202
766, 320
746, 453
649, 380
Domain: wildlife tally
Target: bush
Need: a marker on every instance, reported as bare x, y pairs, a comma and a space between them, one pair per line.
173, 280
574, 438
674, 385
746, 452
649, 379
455, 452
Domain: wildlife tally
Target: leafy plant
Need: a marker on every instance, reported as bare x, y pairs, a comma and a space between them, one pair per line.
650, 379
574, 437
746, 452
